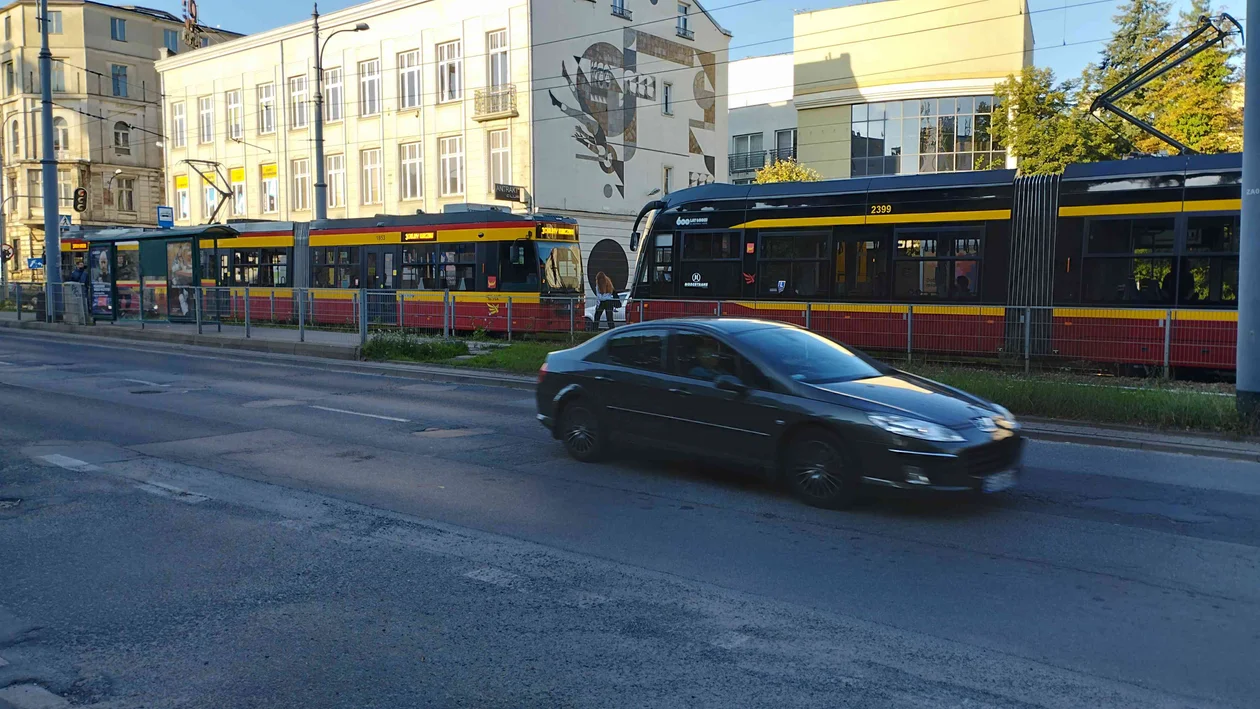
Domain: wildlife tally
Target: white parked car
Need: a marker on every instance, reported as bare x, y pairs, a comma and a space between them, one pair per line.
619, 315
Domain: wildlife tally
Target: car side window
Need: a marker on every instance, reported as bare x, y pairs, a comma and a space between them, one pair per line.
703, 357
642, 349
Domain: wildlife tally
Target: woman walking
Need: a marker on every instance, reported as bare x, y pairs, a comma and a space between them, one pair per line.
607, 297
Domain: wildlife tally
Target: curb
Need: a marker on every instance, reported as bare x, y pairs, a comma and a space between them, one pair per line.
319, 356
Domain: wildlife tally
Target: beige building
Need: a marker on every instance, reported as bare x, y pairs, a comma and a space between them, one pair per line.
107, 117
590, 107
905, 86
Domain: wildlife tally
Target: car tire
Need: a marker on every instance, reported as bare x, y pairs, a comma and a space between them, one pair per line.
817, 470
580, 431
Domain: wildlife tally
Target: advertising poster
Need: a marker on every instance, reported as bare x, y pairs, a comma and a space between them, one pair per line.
100, 294
180, 279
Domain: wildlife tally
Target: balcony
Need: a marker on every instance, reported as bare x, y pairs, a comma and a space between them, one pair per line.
619, 10
685, 33
495, 102
751, 162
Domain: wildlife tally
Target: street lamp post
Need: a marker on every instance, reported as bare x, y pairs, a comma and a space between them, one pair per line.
321, 186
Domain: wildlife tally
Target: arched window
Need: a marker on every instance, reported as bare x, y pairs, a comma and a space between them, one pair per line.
122, 138
14, 133
61, 134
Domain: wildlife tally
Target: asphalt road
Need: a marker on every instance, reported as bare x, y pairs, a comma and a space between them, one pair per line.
210, 530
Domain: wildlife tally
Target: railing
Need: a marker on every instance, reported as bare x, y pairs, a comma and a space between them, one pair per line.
685, 33
757, 159
495, 101
619, 10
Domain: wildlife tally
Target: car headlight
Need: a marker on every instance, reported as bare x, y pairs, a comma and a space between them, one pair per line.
913, 428
1005, 418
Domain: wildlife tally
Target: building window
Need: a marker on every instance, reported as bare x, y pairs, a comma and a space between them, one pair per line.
924, 135
937, 263
122, 138
14, 134
792, 264
8, 27
619, 9
370, 87
412, 171
182, 206
59, 75
54, 22
334, 102
500, 158
170, 40
209, 202
370, 189
61, 134
236, 120
127, 195
65, 187
118, 79
336, 180
667, 179
118, 29
301, 172
298, 115
239, 204
683, 30
747, 153
785, 144
450, 72
409, 79
179, 125
497, 59
451, 152
10, 79
266, 108
667, 98
205, 114
270, 189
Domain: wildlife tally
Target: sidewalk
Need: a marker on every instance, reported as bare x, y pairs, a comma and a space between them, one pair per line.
344, 346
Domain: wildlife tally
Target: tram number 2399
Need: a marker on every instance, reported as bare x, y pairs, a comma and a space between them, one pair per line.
881, 209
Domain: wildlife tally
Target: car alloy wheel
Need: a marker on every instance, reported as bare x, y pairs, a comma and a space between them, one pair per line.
818, 473
580, 432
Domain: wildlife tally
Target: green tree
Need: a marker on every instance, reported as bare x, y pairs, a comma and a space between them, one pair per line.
1044, 127
786, 171
1196, 102
1142, 31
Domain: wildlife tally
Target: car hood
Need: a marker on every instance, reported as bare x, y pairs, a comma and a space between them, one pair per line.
907, 395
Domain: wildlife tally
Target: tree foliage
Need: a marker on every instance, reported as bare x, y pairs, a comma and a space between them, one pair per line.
1044, 127
786, 171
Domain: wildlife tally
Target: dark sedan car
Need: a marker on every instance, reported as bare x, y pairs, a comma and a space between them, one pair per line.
820, 417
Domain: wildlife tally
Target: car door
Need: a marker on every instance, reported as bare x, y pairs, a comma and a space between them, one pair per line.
626, 378
715, 419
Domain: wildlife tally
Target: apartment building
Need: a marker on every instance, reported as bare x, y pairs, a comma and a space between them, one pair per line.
762, 114
905, 86
107, 117
590, 107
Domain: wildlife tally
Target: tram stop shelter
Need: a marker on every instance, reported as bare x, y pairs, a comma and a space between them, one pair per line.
149, 273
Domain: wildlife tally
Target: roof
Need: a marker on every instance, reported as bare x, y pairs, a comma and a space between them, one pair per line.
212, 231
854, 185
1224, 162
716, 24
731, 326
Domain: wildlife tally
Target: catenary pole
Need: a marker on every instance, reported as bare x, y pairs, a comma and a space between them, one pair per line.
52, 228
1248, 387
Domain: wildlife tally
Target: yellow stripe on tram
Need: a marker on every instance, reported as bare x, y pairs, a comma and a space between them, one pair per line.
1110, 313
1109, 210
908, 218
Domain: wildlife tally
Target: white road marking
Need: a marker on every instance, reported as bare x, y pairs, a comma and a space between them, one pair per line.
63, 461
171, 492
360, 413
141, 381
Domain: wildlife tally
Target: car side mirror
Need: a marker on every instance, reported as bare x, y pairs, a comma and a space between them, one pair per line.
726, 382
634, 240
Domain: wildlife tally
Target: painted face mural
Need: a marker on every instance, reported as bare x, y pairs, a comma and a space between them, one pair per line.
605, 86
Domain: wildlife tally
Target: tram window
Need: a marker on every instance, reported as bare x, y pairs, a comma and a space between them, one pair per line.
1128, 236
663, 265
335, 267
861, 270
712, 264
276, 267
938, 264
1217, 234
518, 266
1208, 281
419, 271
208, 264
458, 262
706, 247
1140, 281
793, 265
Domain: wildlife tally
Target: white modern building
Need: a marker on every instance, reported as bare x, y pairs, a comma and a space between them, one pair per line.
590, 107
762, 114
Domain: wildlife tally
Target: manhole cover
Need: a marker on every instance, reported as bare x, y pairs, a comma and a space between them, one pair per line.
9, 503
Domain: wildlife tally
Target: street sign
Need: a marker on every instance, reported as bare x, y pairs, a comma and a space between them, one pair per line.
64, 221
6, 253
507, 193
165, 217
35, 263
80, 200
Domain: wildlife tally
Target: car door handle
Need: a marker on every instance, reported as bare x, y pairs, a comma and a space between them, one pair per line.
680, 392
601, 378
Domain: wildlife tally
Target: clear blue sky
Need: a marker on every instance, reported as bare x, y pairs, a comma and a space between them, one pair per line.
760, 26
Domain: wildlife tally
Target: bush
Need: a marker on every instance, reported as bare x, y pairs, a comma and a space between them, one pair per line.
405, 346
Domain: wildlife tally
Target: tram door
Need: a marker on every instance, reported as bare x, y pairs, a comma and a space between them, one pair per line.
381, 278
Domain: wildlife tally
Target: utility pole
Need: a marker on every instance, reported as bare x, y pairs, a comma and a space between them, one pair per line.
1248, 386
52, 226
321, 186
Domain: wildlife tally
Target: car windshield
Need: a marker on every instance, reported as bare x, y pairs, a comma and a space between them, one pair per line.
809, 358
561, 266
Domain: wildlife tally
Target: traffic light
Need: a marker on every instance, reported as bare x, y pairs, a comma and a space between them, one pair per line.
80, 199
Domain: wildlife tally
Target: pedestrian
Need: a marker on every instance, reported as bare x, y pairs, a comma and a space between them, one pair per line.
607, 297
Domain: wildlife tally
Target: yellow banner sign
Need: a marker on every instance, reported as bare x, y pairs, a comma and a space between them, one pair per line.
181, 182
269, 171
238, 175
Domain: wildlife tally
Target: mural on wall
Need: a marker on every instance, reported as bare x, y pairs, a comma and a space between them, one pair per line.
606, 86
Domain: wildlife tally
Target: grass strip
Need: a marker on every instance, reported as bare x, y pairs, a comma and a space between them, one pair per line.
394, 345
